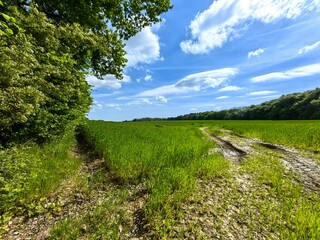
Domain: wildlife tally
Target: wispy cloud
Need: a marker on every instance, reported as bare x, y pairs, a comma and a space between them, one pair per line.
304, 71
225, 19
261, 93
255, 53
108, 81
230, 88
309, 48
222, 97
194, 82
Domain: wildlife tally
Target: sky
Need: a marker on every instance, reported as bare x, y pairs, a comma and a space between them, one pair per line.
213, 55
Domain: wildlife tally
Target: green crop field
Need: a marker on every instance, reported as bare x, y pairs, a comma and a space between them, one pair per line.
183, 180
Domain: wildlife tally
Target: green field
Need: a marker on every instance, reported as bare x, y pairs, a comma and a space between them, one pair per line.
167, 179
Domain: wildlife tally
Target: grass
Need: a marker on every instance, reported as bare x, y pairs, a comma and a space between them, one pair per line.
29, 174
168, 157
171, 161
303, 134
287, 209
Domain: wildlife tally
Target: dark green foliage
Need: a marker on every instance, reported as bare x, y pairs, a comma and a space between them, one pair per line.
303, 106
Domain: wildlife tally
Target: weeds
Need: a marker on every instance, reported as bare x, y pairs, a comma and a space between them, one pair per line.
30, 173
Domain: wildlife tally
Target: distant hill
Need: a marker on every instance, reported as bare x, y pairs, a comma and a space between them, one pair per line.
294, 106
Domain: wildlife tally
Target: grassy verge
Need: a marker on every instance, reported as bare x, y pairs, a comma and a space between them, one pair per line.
29, 174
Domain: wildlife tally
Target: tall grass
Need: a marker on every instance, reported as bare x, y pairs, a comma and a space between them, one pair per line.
167, 156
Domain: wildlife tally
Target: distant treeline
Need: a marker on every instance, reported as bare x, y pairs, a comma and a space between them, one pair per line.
294, 106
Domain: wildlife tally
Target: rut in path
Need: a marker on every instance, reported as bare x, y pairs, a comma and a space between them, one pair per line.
235, 147
226, 148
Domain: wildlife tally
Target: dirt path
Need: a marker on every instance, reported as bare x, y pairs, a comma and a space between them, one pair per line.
226, 148
235, 147
69, 202
73, 202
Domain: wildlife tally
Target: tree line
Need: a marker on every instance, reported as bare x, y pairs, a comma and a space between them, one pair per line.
303, 106
295, 106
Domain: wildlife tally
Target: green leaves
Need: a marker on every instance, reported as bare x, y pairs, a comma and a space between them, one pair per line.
43, 91
47, 47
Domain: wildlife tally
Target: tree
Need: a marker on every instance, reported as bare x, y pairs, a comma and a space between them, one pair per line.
47, 48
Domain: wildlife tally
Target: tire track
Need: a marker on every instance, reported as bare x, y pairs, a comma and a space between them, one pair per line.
226, 148
235, 147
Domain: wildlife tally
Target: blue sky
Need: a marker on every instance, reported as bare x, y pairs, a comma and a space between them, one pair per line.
213, 55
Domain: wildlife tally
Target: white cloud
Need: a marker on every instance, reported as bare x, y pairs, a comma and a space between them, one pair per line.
193, 109
143, 48
222, 97
161, 99
261, 93
304, 71
138, 80
147, 101
255, 53
225, 19
230, 88
309, 48
108, 81
112, 105
194, 82
148, 78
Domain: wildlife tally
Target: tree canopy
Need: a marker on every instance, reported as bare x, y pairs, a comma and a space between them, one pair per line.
46, 50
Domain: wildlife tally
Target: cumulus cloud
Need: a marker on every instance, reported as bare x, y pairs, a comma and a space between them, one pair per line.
309, 48
225, 18
261, 93
230, 88
255, 53
222, 97
305, 71
108, 81
148, 78
143, 48
194, 82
